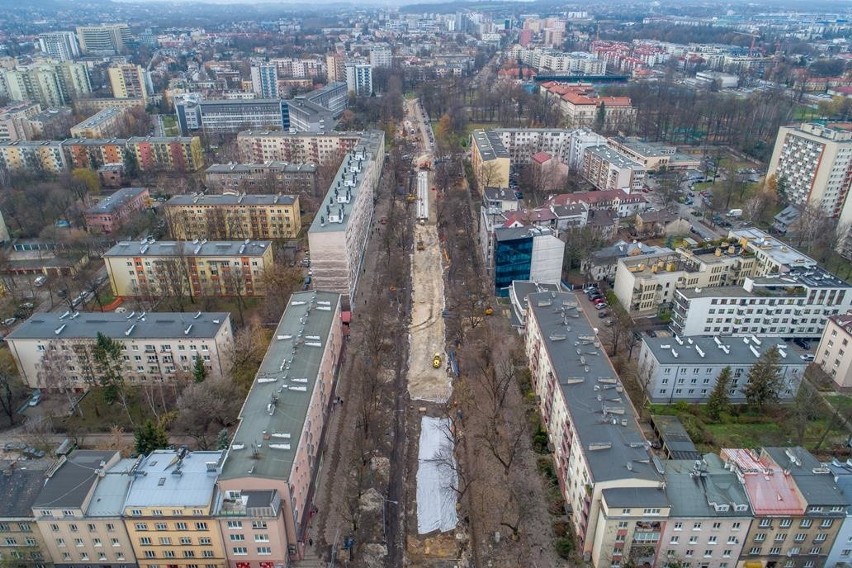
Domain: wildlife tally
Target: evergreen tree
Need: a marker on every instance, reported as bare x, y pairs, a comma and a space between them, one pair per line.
151, 436
719, 399
108, 361
764, 381
600, 118
199, 372
223, 439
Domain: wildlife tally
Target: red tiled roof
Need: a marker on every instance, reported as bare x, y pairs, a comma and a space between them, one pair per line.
770, 491
541, 157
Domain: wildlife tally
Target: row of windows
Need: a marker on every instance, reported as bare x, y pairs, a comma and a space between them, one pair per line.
180, 526
96, 542
167, 541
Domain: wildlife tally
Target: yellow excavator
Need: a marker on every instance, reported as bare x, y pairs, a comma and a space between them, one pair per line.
436, 361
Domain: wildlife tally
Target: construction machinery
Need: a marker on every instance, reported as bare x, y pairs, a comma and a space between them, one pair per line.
420, 245
436, 361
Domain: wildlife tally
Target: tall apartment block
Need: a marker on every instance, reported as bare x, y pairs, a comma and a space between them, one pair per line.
359, 79
156, 346
105, 39
233, 216
59, 45
49, 84
814, 164
264, 80
338, 235
178, 153
129, 82
16, 121
188, 268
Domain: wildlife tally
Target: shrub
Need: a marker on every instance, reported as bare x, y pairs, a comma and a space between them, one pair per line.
540, 442
565, 547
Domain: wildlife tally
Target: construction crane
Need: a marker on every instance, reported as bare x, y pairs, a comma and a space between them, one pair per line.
753, 37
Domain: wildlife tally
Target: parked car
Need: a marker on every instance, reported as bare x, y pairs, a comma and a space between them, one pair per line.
35, 398
603, 314
39, 281
601, 306
9, 321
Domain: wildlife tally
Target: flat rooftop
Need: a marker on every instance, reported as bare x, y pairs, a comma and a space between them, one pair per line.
86, 325
770, 492
675, 438
271, 166
193, 249
273, 416
615, 158
161, 139
100, 117
489, 144
613, 444
814, 480
165, 479
349, 178
647, 149
230, 199
116, 200
778, 251
111, 490
68, 482
706, 350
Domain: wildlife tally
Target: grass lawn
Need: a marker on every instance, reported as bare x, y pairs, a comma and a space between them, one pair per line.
747, 430
101, 416
841, 402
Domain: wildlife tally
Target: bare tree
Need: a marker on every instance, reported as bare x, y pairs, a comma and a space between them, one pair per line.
11, 387
205, 408
53, 374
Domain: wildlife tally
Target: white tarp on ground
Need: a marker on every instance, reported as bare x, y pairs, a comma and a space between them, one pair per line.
436, 477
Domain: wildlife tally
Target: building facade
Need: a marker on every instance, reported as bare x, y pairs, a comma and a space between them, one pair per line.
129, 82
359, 79
49, 84
23, 543
264, 80
59, 45
107, 123
188, 268
39, 157
833, 354
16, 123
55, 351
109, 214
293, 427
338, 234
524, 253
490, 160
230, 115
259, 147
268, 177
607, 169
169, 510
233, 216
178, 153
676, 369
104, 39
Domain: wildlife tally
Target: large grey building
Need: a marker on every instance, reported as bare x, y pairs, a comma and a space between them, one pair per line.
226, 115
104, 39
59, 45
674, 369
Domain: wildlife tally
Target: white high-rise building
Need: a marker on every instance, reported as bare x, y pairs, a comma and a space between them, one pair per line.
381, 56
105, 39
359, 79
264, 80
59, 45
813, 164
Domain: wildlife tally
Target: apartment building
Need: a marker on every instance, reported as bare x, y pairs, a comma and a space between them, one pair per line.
797, 304
607, 169
15, 121
381, 56
337, 238
307, 116
674, 369
286, 410
359, 78
841, 551
709, 515
644, 283
94, 153
334, 97
79, 509
188, 268
62, 46
620, 203
524, 143
268, 177
36, 157
129, 81
264, 80
178, 153
23, 544
104, 39
523, 253
258, 146
555, 61
834, 354
107, 123
629, 525
54, 350
169, 510
109, 214
490, 160
599, 449
336, 65
51, 84
233, 216
797, 508
230, 115
815, 163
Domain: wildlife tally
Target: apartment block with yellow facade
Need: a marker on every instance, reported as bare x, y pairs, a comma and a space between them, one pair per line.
187, 268
78, 510
35, 156
169, 509
490, 160
233, 216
